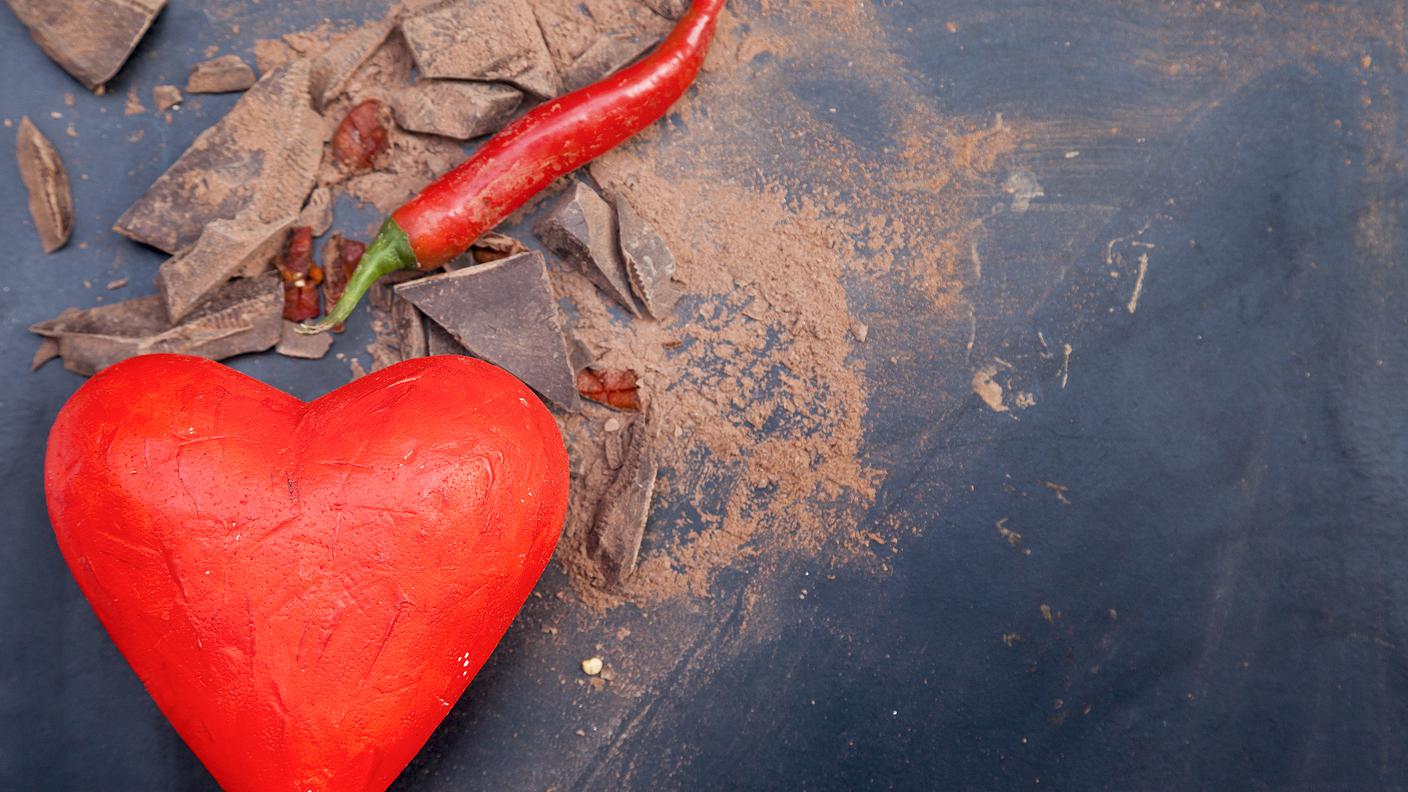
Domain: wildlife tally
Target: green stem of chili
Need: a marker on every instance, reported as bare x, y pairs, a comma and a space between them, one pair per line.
389, 251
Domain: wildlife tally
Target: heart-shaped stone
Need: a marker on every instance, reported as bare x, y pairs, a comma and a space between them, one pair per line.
305, 588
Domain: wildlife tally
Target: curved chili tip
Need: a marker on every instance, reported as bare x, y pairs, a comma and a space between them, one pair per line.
389, 251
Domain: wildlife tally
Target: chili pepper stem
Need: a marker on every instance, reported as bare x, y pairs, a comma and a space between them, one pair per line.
389, 252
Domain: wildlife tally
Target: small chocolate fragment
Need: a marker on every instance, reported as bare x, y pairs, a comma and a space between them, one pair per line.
166, 97
616, 388
384, 292
47, 351
242, 246
90, 39
410, 329
581, 229
298, 345
361, 137
385, 348
650, 265
317, 213
454, 108
613, 541
504, 312
332, 69
670, 9
490, 247
225, 74
438, 341
242, 317
483, 40
46, 180
604, 56
263, 155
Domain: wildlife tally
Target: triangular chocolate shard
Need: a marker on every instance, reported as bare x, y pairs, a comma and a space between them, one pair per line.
505, 313
581, 230
649, 263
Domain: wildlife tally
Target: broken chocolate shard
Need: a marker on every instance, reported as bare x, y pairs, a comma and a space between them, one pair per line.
90, 39
438, 341
166, 97
299, 345
483, 40
47, 351
409, 324
455, 108
614, 539
604, 56
242, 317
317, 213
504, 312
263, 155
489, 247
227, 248
670, 9
581, 229
225, 74
46, 180
332, 69
650, 266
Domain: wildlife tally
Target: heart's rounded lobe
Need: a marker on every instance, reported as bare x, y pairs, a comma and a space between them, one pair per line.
305, 588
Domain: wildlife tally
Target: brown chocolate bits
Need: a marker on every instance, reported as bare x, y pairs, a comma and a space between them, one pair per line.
361, 137
618, 388
333, 69
90, 39
650, 265
263, 155
483, 40
44, 176
613, 541
505, 313
581, 229
227, 248
300, 277
225, 74
409, 324
604, 56
298, 345
242, 317
166, 97
454, 108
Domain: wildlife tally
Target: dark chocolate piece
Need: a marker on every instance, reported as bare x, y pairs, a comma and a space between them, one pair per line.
604, 56
298, 345
504, 312
454, 108
670, 9
225, 74
47, 351
483, 40
581, 229
263, 155
90, 39
438, 341
332, 69
613, 541
242, 246
650, 265
46, 180
409, 324
317, 213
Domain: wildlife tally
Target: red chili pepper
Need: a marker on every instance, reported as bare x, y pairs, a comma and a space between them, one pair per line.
301, 276
360, 137
554, 139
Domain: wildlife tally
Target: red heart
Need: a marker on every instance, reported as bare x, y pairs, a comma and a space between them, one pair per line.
305, 589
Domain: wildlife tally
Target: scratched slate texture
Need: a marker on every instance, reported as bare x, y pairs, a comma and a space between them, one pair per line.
1218, 598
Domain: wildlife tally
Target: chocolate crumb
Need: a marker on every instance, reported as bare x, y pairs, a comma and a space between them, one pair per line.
650, 266
297, 345
166, 97
225, 74
117, 284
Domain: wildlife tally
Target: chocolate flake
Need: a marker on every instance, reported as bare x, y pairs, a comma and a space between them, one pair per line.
581, 229
604, 56
409, 324
90, 39
317, 213
505, 313
263, 155
46, 180
618, 526
483, 40
454, 108
332, 69
670, 9
305, 347
227, 248
438, 341
166, 97
47, 351
225, 74
650, 265
242, 317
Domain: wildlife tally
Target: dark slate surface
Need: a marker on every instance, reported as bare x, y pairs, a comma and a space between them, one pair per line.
1227, 588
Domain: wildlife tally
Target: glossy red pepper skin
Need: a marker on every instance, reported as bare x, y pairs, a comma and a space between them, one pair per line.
554, 139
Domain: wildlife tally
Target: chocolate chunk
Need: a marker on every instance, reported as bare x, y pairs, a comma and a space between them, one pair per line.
227, 248
166, 97
44, 176
409, 324
581, 229
438, 341
605, 56
505, 313
670, 9
317, 213
225, 74
263, 155
332, 69
47, 351
297, 345
650, 266
483, 40
455, 109
242, 317
90, 39
613, 541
